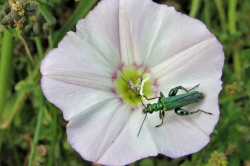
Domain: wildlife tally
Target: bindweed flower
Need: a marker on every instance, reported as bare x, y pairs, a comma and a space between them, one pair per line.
121, 48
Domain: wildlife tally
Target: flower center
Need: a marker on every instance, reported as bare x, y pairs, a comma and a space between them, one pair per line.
131, 83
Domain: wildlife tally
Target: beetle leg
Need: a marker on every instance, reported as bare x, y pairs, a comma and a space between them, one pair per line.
174, 91
161, 115
182, 112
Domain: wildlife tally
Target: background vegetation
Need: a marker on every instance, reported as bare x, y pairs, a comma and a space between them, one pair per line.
32, 131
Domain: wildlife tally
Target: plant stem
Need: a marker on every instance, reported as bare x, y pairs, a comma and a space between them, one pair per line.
232, 16
50, 41
232, 30
222, 15
2, 136
194, 8
5, 67
53, 137
37, 132
207, 14
39, 47
14, 152
27, 50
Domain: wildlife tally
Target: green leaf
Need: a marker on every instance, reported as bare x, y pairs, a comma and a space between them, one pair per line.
244, 151
15, 102
245, 54
47, 14
148, 162
233, 160
186, 163
247, 73
11, 108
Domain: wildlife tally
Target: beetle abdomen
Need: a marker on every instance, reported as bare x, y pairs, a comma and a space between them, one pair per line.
184, 100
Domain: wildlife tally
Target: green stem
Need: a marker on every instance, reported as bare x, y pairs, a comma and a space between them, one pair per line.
15, 154
237, 63
46, 13
207, 14
39, 47
5, 67
232, 16
232, 30
37, 132
50, 41
53, 137
222, 15
194, 8
2, 137
27, 50
81, 11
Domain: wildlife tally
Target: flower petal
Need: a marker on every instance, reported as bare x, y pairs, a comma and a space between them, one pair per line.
93, 49
111, 139
164, 33
72, 99
209, 104
128, 147
178, 136
92, 132
73, 64
199, 64
74, 54
100, 30
81, 68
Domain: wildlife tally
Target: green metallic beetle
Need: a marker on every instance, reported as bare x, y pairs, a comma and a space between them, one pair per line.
174, 102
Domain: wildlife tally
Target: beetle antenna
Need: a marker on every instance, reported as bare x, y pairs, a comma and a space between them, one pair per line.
142, 125
142, 104
141, 101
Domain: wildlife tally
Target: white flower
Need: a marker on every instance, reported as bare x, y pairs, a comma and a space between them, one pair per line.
131, 38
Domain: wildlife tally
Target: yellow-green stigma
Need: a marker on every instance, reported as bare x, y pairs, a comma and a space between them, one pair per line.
128, 84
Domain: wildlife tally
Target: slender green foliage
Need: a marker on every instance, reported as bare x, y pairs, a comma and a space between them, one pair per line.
5, 67
37, 131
